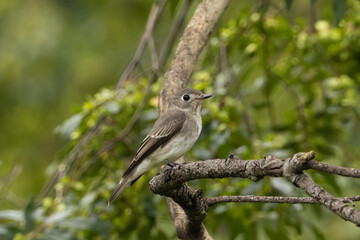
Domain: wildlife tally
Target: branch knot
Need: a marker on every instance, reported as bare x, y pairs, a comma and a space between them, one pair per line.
297, 164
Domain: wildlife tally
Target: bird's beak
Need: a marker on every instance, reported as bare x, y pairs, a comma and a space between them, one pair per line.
203, 97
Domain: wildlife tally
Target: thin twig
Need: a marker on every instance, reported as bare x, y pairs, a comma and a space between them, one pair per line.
343, 210
152, 20
157, 66
174, 32
6, 182
271, 199
111, 144
71, 157
154, 56
342, 171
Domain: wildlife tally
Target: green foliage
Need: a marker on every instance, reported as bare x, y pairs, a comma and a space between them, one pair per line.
279, 88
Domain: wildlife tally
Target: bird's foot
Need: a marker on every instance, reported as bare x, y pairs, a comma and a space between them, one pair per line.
229, 158
167, 172
171, 164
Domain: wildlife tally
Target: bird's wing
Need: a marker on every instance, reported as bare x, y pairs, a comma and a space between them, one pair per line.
165, 128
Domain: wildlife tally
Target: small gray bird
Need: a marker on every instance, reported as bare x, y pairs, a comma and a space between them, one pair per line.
173, 134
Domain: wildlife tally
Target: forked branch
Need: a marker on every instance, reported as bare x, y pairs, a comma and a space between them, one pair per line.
172, 183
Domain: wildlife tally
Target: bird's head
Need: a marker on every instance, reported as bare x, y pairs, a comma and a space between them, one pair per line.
189, 99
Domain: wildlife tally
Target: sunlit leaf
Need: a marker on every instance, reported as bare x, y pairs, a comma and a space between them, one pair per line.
69, 125
59, 216
16, 215
112, 107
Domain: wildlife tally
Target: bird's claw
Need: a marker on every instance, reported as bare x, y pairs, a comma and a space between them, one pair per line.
171, 164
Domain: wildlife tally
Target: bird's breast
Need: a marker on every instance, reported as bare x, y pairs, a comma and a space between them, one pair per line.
181, 143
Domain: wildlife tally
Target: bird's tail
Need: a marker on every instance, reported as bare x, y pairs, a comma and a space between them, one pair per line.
120, 187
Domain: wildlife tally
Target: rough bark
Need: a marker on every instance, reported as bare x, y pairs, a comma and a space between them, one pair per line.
171, 183
191, 43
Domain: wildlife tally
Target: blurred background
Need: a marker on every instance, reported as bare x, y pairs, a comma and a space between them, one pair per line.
285, 75
54, 55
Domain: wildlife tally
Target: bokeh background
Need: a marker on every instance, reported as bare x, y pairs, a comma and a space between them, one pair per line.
54, 55
285, 75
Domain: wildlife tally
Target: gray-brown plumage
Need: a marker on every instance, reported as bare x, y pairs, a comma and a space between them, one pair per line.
172, 135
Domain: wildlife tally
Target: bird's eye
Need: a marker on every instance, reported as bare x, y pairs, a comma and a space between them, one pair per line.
186, 97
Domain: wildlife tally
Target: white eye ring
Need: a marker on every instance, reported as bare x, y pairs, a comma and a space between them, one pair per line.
186, 97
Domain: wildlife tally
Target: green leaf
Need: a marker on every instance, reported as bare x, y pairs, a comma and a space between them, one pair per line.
59, 216
15, 215
91, 224
282, 186
288, 4
70, 125
339, 8
29, 215
112, 107
7, 232
55, 234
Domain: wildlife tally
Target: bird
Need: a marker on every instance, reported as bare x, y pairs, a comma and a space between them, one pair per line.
171, 137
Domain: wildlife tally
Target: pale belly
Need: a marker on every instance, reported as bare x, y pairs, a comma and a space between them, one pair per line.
177, 146
174, 149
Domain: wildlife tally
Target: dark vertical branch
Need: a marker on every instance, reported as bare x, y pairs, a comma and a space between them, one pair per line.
312, 15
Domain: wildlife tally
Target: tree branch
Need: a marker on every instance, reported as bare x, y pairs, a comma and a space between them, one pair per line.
342, 171
191, 43
171, 183
271, 199
326, 199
